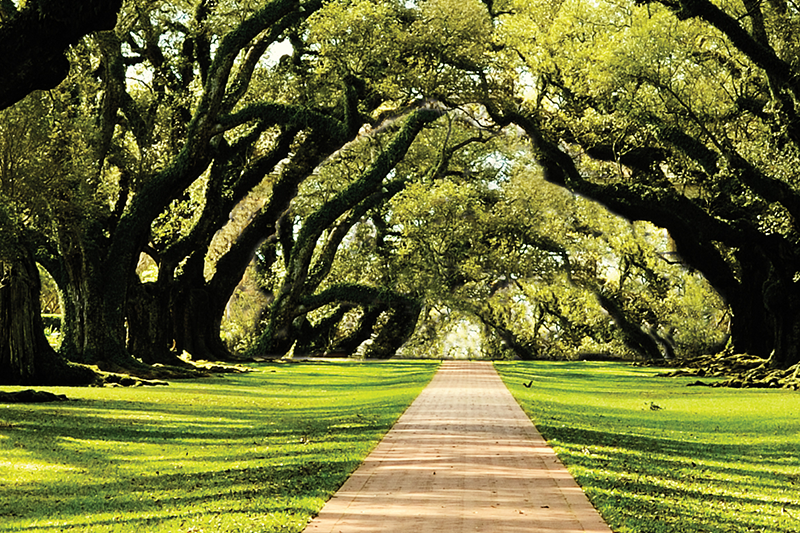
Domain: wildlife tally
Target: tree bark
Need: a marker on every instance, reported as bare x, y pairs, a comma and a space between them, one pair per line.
26, 358
148, 314
361, 333
392, 334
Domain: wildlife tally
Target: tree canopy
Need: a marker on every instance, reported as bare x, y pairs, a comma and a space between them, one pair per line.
537, 179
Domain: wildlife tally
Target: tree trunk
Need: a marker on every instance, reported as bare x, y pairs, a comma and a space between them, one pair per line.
149, 334
392, 334
361, 332
634, 337
321, 335
197, 320
88, 335
297, 283
781, 298
508, 339
26, 357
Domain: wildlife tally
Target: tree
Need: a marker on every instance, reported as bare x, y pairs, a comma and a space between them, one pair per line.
184, 113
124, 158
34, 38
384, 84
299, 280
684, 116
25, 355
542, 270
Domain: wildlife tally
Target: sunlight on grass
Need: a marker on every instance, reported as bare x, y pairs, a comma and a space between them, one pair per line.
656, 456
256, 452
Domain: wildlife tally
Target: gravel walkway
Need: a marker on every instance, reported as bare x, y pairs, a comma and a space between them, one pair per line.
463, 457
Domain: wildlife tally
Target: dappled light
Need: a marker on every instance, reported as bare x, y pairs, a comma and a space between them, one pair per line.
189, 188
258, 451
719, 460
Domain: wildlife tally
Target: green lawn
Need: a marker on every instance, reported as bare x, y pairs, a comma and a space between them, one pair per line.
656, 456
249, 452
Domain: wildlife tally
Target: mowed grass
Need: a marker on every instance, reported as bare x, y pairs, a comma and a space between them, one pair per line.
256, 452
654, 455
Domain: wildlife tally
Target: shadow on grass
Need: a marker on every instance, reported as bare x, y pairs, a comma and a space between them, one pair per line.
265, 489
265, 448
697, 467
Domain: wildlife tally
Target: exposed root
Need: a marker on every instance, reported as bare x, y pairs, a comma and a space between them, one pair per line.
112, 374
112, 379
738, 371
221, 368
30, 396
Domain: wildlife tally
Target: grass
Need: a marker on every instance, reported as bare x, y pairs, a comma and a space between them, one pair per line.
258, 452
656, 456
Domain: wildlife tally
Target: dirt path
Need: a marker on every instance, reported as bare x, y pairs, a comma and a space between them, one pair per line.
464, 457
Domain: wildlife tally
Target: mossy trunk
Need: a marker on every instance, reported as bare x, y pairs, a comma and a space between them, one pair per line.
171, 316
89, 335
392, 333
361, 333
508, 339
634, 337
26, 357
321, 335
781, 297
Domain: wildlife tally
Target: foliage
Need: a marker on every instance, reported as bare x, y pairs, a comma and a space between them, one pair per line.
186, 136
256, 451
655, 456
683, 114
535, 264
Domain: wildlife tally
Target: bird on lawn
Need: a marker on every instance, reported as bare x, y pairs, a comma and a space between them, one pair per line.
528, 384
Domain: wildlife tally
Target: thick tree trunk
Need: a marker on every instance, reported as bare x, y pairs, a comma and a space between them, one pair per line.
88, 335
149, 334
392, 334
197, 320
634, 337
508, 339
781, 297
26, 358
361, 332
321, 336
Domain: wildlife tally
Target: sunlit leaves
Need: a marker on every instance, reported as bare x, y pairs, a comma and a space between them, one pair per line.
448, 253
359, 38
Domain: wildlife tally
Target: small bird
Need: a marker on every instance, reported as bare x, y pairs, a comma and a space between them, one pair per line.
528, 384
654, 407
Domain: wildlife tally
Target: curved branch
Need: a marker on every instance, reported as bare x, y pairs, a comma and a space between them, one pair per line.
294, 116
760, 54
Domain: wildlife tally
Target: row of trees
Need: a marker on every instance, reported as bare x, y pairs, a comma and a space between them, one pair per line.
389, 163
693, 106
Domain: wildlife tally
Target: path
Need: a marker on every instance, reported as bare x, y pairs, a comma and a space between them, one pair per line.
464, 457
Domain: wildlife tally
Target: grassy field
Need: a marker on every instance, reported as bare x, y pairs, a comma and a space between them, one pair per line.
656, 456
250, 452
